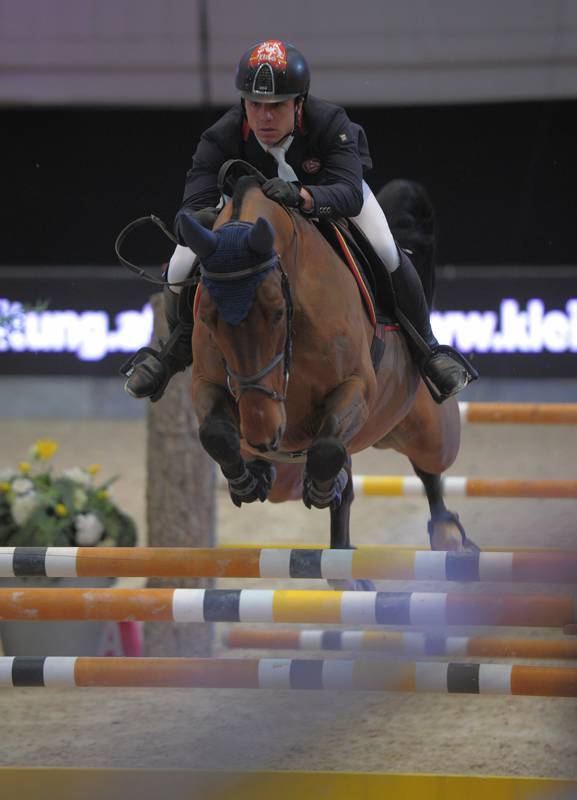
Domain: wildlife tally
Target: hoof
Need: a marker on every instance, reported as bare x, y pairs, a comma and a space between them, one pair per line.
328, 496
447, 533
254, 484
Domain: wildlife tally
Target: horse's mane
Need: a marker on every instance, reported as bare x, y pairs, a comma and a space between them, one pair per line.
242, 187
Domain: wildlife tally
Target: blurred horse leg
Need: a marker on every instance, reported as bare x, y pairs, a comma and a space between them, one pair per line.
430, 436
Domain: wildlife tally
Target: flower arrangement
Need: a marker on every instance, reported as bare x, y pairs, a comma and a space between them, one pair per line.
40, 509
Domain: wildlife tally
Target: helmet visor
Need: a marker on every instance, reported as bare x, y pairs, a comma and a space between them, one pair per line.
264, 97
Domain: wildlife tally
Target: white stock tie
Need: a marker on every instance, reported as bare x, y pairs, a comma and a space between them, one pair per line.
285, 171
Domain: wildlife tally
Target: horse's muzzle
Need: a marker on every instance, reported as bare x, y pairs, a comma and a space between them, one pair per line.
267, 447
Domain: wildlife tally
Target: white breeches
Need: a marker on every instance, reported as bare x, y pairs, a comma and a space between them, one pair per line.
371, 221
374, 225
179, 266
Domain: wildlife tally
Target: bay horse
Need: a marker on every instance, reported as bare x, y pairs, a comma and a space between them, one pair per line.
283, 383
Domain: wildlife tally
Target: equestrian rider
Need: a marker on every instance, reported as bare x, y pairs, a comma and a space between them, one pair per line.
314, 158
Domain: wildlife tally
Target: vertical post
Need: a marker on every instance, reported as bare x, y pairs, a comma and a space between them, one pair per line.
180, 496
204, 51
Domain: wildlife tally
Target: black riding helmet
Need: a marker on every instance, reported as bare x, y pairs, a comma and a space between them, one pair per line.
271, 72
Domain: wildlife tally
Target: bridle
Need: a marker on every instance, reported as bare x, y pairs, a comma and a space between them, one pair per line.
247, 382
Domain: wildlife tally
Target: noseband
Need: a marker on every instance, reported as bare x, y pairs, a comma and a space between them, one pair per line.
246, 382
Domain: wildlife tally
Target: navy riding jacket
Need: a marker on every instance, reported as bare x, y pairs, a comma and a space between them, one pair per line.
329, 155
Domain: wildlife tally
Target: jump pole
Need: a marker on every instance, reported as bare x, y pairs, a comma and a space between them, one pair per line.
287, 673
30, 783
301, 563
422, 609
401, 643
519, 413
455, 486
458, 486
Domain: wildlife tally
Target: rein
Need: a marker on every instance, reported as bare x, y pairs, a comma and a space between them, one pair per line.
140, 271
246, 382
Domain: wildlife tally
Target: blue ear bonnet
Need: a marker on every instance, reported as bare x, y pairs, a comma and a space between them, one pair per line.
234, 297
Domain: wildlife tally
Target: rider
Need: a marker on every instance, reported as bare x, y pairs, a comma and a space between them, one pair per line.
314, 158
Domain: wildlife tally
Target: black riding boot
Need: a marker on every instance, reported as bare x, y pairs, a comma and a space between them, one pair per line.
444, 370
149, 370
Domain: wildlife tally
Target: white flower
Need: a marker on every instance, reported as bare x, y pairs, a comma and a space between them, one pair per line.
23, 506
78, 476
22, 486
89, 529
80, 498
7, 474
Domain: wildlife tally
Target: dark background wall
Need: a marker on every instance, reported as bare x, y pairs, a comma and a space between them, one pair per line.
503, 177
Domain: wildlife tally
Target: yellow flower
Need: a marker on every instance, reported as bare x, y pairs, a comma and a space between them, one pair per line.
24, 467
102, 494
44, 449
93, 469
4, 486
60, 510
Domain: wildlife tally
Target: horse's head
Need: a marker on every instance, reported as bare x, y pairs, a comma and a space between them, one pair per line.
247, 307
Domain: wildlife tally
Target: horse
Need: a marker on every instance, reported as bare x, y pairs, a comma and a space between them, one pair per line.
283, 384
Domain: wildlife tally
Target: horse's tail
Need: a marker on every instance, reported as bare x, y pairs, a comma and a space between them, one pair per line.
411, 217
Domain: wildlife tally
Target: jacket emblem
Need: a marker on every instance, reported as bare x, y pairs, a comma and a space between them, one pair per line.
311, 165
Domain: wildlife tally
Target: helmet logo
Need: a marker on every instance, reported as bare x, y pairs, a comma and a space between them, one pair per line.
271, 52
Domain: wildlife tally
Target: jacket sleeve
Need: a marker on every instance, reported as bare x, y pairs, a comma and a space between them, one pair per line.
339, 191
216, 145
200, 189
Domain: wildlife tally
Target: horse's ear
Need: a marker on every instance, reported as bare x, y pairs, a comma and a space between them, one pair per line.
201, 241
261, 237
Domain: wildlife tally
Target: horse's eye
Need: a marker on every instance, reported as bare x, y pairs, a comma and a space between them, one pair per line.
278, 315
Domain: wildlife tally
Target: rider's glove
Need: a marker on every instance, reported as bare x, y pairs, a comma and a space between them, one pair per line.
205, 216
283, 192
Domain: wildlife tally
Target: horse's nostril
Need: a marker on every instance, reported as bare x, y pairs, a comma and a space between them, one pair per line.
262, 448
275, 444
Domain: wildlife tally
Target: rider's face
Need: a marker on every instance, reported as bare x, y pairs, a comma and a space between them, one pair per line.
271, 122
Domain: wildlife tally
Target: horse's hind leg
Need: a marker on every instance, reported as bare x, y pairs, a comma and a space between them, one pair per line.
445, 530
341, 514
429, 436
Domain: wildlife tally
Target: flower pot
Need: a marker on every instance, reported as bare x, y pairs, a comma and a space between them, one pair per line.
51, 638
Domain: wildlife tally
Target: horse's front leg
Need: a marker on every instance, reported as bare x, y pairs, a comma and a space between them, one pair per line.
220, 436
326, 476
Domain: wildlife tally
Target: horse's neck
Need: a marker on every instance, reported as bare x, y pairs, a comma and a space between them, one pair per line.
256, 205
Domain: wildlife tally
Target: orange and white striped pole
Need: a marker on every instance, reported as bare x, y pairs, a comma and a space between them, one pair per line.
547, 566
421, 609
278, 673
400, 643
519, 413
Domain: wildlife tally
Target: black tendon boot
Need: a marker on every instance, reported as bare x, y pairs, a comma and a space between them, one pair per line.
149, 370
444, 370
